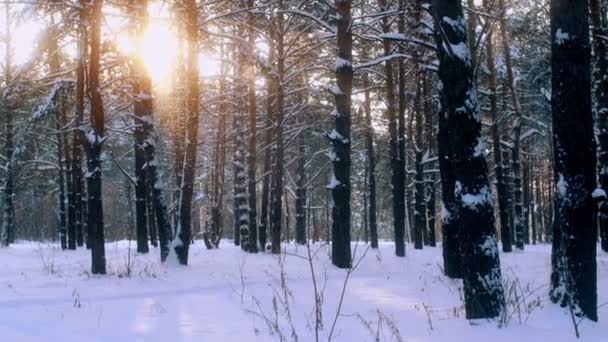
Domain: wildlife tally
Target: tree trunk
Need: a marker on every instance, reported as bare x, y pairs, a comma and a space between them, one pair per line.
517, 123
183, 234
271, 88
140, 108
251, 156
75, 212
301, 191
484, 297
575, 231
340, 139
371, 161
601, 110
505, 229
8, 218
420, 235
95, 139
430, 183
60, 123
397, 169
276, 196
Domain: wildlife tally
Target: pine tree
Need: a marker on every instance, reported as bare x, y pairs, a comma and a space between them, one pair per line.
340, 139
95, 140
484, 297
574, 273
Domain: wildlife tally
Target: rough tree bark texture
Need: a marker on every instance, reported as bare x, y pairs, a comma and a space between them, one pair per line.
140, 107
574, 277
484, 297
505, 228
371, 160
60, 122
419, 204
340, 139
518, 219
80, 203
75, 212
276, 191
397, 168
301, 191
271, 90
600, 83
8, 218
95, 140
181, 242
430, 182
252, 244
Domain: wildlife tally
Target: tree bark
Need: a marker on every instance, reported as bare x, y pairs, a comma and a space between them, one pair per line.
371, 161
600, 83
252, 244
340, 139
181, 243
575, 231
505, 229
484, 297
397, 169
95, 140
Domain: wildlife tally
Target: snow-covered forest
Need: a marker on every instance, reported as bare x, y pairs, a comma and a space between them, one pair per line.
303, 170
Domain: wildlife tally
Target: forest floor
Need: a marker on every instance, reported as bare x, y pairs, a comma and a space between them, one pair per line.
226, 295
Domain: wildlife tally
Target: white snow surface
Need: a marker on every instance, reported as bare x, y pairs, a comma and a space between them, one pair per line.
48, 295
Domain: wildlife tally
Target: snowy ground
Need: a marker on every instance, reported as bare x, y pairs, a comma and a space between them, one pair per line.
48, 295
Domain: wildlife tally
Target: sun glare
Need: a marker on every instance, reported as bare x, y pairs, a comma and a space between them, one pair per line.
158, 51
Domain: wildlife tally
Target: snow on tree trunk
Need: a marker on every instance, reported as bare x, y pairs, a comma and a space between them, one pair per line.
505, 232
574, 273
518, 219
95, 139
183, 234
483, 292
63, 160
339, 137
371, 160
420, 234
601, 110
430, 182
397, 168
276, 191
252, 243
301, 192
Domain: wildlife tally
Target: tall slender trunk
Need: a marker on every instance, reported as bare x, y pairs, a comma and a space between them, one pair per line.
371, 161
575, 231
516, 133
80, 204
8, 218
181, 242
95, 139
251, 156
217, 200
430, 183
505, 229
420, 234
340, 139
402, 96
54, 67
140, 107
397, 176
600, 83
241, 214
276, 199
264, 217
300, 205
484, 297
